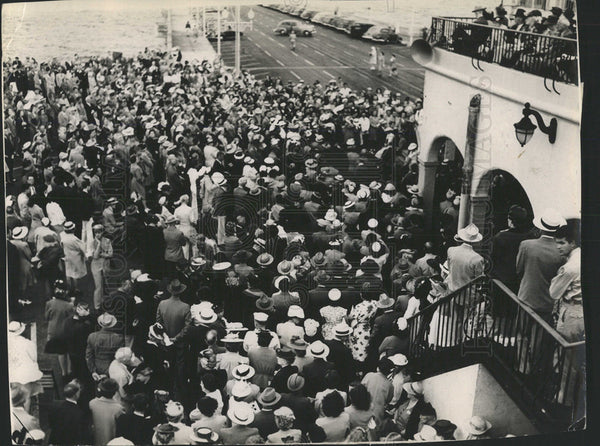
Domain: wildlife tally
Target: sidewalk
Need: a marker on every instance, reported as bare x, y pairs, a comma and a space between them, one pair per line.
192, 47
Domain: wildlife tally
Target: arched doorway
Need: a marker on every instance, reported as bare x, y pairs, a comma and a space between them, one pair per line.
496, 192
448, 176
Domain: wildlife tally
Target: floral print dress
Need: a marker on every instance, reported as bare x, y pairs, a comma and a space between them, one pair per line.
361, 317
332, 315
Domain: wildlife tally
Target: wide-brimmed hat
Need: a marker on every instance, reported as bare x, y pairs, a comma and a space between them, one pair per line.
334, 294
285, 267
69, 226
264, 303
20, 232
478, 425
107, 320
264, 259
204, 435
295, 382
398, 359
176, 287
269, 397
198, 261
203, 314
231, 338
385, 301
549, 220
16, 327
342, 330
318, 349
414, 189
218, 178
171, 219
297, 343
241, 413
469, 234
413, 388
221, 266
318, 260
243, 372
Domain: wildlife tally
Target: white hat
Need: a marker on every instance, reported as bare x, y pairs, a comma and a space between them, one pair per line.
174, 409
20, 232
372, 223
412, 146
128, 131
295, 311
549, 220
427, 433
478, 425
241, 389
16, 327
334, 294
120, 441
469, 234
398, 359
330, 215
218, 178
261, 317
342, 329
241, 413
318, 349
243, 372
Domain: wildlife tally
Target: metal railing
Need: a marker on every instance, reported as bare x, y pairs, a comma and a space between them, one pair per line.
551, 57
484, 317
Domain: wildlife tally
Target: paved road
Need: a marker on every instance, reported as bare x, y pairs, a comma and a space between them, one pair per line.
327, 55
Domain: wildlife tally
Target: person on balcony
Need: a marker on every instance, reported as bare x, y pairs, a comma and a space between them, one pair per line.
464, 264
538, 262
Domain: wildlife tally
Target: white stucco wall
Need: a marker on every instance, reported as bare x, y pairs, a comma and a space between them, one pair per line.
549, 173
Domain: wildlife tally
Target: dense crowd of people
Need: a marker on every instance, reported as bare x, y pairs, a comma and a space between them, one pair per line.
256, 251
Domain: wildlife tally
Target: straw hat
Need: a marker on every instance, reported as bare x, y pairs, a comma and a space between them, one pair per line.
342, 330
203, 435
20, 232
243, 372
385, 301
318, 349
478, 425
549, 220
334, 294
107, 320
241, 413
468, 234
16, 328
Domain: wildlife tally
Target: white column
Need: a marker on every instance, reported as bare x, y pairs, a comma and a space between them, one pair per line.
237, 40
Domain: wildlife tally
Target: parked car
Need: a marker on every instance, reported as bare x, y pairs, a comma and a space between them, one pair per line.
340, 23
379, 33
318, 17
357, 29
300, 28
225, 35
308, 14
328, 19
296, 11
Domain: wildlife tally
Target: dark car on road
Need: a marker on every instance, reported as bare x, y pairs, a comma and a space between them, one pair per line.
357, 29
384, 34
300, 28
225, 35
308, 14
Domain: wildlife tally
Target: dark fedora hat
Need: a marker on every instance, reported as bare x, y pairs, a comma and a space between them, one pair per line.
176, 287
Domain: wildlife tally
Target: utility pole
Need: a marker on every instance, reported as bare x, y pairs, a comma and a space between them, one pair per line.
219, 32
237, 40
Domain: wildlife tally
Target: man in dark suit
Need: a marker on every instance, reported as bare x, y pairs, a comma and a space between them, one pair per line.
285, 358
174, 315
538, 261
340, 355
318, 297
136, 426
383, 324
303, 408
316, 370
264, 420
67, 420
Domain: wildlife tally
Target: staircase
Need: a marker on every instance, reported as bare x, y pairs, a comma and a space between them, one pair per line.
541, 372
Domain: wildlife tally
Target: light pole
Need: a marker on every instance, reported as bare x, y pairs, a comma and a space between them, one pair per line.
225, 14
237, 40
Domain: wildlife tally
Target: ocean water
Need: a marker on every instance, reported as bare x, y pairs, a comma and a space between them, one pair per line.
44, 30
